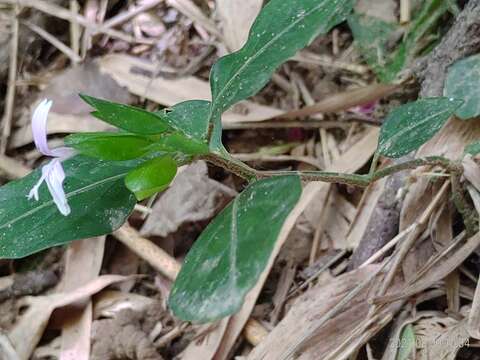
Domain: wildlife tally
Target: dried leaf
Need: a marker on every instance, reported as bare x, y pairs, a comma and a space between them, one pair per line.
191, 197
29, 329
237, 18
84, 260
139, 78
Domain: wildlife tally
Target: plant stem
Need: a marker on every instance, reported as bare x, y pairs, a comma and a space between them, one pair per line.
243, 170
455, 170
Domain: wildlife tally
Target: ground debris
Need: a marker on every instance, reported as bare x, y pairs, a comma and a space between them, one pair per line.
126, 336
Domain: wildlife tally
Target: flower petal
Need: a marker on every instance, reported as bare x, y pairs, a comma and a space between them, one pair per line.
62, 152
54, 179
39, 126
34, 191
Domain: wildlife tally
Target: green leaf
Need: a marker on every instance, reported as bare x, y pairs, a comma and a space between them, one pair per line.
126, 117
463, 82
96, 193
189, 117
406, 343
151, 177
473, 148
409, 126
373, 38
388, 48
280, 30
109, 146
229, 256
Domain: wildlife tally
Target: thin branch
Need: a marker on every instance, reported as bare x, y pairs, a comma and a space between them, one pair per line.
124, 16
74, 57
65, 14
74, 28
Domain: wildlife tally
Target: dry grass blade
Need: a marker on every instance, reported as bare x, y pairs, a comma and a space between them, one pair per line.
74, 28
71, 54
139, 78
28, 330
326, 302
65, 14
407, 244
83, 264
436, 270
132, 12
344, 100
12, 76
155, 256
236, 18
189, 9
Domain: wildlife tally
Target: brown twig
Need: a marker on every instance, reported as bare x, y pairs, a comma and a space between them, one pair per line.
154, 255
66, 14
74, 29
71, 54
344, 100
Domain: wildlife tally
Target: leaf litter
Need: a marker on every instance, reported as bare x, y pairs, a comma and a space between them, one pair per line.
312, 301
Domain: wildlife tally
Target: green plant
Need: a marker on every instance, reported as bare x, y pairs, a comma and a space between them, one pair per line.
94, 181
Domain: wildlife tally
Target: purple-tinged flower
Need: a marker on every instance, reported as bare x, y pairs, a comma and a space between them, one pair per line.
52, 173
366, 109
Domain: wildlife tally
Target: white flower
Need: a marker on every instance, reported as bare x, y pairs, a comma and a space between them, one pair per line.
52, 173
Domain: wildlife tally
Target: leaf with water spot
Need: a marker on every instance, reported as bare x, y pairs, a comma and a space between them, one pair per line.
409, 126
129, 118
96, 193
189, 117
463, 82
280, 30
231, 253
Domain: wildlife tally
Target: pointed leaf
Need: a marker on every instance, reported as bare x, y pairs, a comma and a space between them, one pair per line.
409, 126
151, 177
280, 30
109, 146
126, 117
95, 191
463, 82
229, 256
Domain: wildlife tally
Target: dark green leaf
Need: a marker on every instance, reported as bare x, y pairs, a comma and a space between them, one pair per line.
96, 193
473, 148
463, 82
374, 39
229, 256
409, 126
109, 146
151, 177
280, 30
126, 117
189, 117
